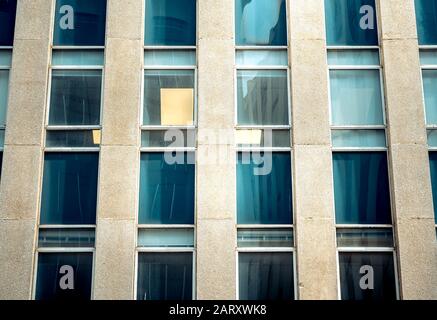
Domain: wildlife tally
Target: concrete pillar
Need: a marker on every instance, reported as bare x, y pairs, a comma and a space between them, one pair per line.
216, 180
117, 208
312, 165
23, 153
410, 177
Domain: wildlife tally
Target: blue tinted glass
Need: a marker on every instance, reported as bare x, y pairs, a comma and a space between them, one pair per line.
433, 164
361, 188
430, 95
264, 190
166, 189
165, 276
8, 10
426, 16
4, 90
261, 22
384, 280
80, 23
69, 194
170, 22
49, 276
266, 276
1, 164
351, 23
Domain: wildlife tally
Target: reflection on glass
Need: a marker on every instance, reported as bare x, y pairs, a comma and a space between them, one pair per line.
8, 10
174, 138
426, 13
353, 57
433, 167
170, 238
4, 85
263, 138
430, 93
262, 58
5, 57
267, 238
77, 57
358, 139
365, 237
428, 57
62, 238
73, 139
169, 58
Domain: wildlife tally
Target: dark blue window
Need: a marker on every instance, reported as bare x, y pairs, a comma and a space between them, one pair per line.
69, 194
264, 197
80, 23
165, 276
170, 22
350, 23
426, 17
261, 22
8, 9
50, 284
433, 164
361, 188
166, 189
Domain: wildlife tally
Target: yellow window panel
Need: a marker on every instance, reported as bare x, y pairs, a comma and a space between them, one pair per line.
177, 106
96, 136
249, 137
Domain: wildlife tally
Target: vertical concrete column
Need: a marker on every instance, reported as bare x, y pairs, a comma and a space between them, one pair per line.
216, 172
410, 174
23, 155
313, 187
119, 156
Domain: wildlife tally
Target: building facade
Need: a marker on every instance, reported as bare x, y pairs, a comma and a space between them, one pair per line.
233, 149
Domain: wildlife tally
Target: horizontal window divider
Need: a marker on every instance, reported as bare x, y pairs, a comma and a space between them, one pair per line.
428, 67
1, 149
365, 249
170, 47
2, 127
67, 226
432, 148
351, 47
265, 226
359, 149
165, 249
261, 67
166, 149
61, 149
75, 67
166, 226
261, 47
6, 47
363, 226
77, 47
249, 149
265, 249
72, 128
144, 128
427, 47
65, 250
354, 67
360, 127
284, 127
168, 67
431, 126
5, 67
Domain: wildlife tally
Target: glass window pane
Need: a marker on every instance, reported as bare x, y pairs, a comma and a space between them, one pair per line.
173, 138
358, 139
69, 194
426, 16
166, 188
52, 268
428, 57
263, 138
165, 276
266, 276
433, 165
80, 23
170, 22
266, 238
1, 163
66, 238
262, 97
351, 23
261, 22
430, 93
168, 97
170, 238
356, 97
8, 10
377, 237
432, 138
73, 139
77, 58
264, 188
2, 138
5, 57
75, 97
361, 188
169, 58
4, 85
384, 281
353, 57
262, 58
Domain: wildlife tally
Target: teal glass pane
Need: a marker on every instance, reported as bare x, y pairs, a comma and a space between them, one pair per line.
358, 139
51, 270
356, 97
69, 190
262, 97
353, 57
66, 238
8, 9
2, 138
80, 23
428, 57
5, 58
4, 91
264, 192
384, 280
351, 23
265, 238
433, 166
361, 188
365, 237
261, 22
77, 58
165, 276
262, 58
166, 188
1, 163
266, 276
169, 58
432, 138
430, 94
166, 238
170, 23
426, 18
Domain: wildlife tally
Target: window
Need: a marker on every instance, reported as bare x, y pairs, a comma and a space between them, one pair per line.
80, 23
433, 164
351, 23
170, 23
260, 22
426, 13
8, 10
5, 65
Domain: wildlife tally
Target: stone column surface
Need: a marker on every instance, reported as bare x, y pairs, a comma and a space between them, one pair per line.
216, 171
117, 207
312, 166
410, 175
23, 153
